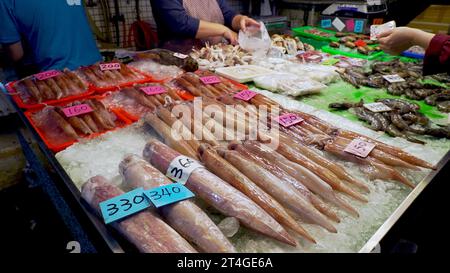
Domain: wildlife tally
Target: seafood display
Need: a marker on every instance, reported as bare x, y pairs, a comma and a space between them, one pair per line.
211, 57
411, 83
61, 85
168, 58
359, 42
290, 45
289, 84
402, 119
109, 74
318, 32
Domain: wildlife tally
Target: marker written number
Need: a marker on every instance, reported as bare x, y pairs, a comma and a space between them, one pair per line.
359, 148
393, 78
377, 107
124, 205
181, 168
168, 194
77, 110
110, 66
47, 75
154, 90
289, 119
245, 95
210, 79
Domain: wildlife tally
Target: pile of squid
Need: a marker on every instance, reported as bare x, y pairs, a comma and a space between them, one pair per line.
109, 77
404, 120
412, 88
66, 84
271, 190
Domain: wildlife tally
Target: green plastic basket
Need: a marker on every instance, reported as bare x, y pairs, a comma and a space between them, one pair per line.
301, 31
334, 51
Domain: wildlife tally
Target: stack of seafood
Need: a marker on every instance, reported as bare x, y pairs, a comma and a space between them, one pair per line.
403, 120
211, 57
99, 77
275, 187
60, 127
168, 58
318, 32
65, 84
361, 42
412, 87
290, 45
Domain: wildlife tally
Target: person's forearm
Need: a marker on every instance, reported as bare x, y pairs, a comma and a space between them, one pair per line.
422, 38
207, 29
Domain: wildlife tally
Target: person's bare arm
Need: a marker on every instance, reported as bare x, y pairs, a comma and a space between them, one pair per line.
15, 51
400, 39
208, 29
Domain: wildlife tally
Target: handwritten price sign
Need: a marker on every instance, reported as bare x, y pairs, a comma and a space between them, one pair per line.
154, 90
210, 80
47, 75
124, 205
180, 56
181, 168
359, 148
289, 119
77, 110
110, 66
168, 194
245, 95
377, 107
393, 78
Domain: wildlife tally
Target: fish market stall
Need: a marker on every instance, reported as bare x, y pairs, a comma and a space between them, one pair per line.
283, 152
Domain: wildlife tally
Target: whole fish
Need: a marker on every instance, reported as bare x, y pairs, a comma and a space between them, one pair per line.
139, 97
219, 194
55, 88
184, 216
285, 177
87, 118
282, 191
32, 89
171, 137
146, 230
309, 179
76, 79
106, 115
62, 123
76, 122
45, 90
62, 84
220, 167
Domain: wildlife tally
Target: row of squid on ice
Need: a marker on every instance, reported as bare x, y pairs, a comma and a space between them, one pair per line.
271, 191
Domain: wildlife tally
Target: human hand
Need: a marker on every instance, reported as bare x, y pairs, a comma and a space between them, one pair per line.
248, 22
231, 36
397, 40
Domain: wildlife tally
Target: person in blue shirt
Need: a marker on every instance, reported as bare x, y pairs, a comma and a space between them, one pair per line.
57, 32
210, 21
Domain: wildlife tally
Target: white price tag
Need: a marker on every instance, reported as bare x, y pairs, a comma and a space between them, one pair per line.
377, 107
375, 30
338, 24
180, 56
181, 168
393, 78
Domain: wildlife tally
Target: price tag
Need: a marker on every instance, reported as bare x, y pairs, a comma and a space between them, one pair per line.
359, 26
338, 24
180, 56
350, 24
110, 66
154, 90
326, 23
47, 75
377, 107
289, 119
245, 95
393, 78
330, 61
181, 168
210, 79
77, 110
124, 205
168, 194
359, 148
375, 30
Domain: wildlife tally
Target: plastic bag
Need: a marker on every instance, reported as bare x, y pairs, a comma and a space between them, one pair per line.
255, 40
289, 84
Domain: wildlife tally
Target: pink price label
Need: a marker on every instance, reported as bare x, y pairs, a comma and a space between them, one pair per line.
245, 95
289, 119
110, 66
154, 90
359, 148
77, 110
47, 75
210, 79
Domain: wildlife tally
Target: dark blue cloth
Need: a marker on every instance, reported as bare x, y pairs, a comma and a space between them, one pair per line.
57, 31
175, 24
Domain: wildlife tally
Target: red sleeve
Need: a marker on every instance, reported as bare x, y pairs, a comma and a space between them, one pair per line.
437, 56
